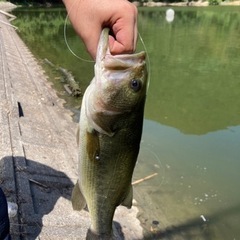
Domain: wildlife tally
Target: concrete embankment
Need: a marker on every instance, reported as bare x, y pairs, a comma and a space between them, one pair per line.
38, 151
7, 6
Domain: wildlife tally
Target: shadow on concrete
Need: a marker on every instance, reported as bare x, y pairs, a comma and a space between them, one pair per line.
4, 220
195, 228
37, 188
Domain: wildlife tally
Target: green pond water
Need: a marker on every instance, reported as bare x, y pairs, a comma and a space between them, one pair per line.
191, 135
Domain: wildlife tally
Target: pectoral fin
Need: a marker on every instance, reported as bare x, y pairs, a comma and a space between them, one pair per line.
127, 202
78, 200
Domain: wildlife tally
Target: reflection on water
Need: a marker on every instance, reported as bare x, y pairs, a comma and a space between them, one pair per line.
196, 185
192, 137
195, 75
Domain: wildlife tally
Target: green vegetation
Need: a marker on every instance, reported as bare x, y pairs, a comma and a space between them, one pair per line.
214, 2
37, 2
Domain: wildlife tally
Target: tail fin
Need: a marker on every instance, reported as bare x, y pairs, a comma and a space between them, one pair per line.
93, 236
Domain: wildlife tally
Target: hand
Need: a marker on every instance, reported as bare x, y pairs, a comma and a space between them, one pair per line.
89, 17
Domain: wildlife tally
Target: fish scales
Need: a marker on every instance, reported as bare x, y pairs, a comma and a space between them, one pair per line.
110, 130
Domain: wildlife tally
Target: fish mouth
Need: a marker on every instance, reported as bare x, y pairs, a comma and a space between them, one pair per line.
120, 61
123, 61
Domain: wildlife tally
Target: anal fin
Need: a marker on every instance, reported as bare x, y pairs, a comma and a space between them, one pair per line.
127, 202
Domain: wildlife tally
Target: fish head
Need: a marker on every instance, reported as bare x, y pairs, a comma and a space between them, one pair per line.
121, 81
118, 88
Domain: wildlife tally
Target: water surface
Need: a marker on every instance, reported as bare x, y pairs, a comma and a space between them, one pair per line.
191, 134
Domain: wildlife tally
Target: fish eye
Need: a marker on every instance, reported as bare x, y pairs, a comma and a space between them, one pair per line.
135, 85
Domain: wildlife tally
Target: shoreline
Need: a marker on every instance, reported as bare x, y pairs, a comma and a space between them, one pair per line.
187, 4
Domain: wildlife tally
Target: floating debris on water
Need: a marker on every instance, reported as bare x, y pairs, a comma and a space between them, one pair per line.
144, 179
203, 218
170, 15
155, 226
204, 198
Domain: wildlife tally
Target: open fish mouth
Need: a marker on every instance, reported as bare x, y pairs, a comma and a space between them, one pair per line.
121, 61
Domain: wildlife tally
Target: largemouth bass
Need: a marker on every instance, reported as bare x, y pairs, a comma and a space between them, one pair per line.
110, 130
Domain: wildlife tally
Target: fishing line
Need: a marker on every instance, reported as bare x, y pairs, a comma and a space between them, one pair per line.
148, 59
145, 150
91, 61
65, 36
161, 167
